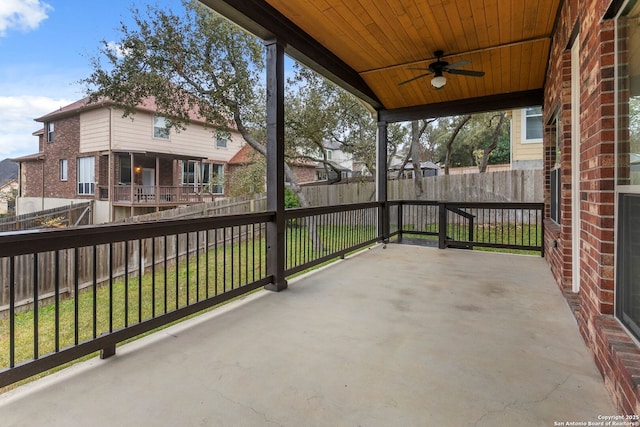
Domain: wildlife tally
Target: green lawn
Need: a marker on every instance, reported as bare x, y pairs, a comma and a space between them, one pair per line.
508, 234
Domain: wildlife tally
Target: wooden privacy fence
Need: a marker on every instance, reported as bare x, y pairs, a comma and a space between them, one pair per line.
64, 216
140, 256
504, 186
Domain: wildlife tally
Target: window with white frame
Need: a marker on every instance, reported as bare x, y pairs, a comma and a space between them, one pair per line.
221, 142
86, 175
50, 131
188, 172
532, 124
627, 278
208, 177
63, 169
160, 127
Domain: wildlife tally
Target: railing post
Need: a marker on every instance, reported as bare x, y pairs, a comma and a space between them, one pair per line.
442, 225
541, 212
275, 165
471, 232
400, 221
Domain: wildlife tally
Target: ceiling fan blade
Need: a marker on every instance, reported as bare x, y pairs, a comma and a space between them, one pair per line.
457, 64
413, 78
419, 68
471, 73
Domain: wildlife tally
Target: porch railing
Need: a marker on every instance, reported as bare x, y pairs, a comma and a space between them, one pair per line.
162, 194
73, 292
317, 235
512, 226
91, 288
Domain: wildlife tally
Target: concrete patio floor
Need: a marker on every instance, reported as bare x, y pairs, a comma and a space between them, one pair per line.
402, 336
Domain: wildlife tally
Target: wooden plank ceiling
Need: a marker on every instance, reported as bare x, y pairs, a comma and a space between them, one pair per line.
380, 40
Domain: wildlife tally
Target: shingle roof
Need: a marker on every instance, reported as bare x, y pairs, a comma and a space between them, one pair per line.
29, 157
244, 156
147, 104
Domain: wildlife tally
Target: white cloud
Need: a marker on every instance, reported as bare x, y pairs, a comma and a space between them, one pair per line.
17, 114
117, 48
22, 15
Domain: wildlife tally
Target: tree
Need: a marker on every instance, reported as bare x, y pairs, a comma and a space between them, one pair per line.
493, 142
196, 61
458, 123
10, 197
318, 112
250, 178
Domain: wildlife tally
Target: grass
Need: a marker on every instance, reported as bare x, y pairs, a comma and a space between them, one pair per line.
508, 234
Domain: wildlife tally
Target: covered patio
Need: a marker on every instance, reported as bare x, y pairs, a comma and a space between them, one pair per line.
394, 335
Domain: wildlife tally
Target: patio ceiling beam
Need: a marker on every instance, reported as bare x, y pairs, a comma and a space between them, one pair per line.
267, 23
505, 101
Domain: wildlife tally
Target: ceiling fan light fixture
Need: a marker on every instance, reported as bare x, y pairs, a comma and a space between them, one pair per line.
438, 81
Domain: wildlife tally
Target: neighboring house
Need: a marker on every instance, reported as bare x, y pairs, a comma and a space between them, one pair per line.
303, 171
526, 138
426, 169
127, 165
8, 191
338, 162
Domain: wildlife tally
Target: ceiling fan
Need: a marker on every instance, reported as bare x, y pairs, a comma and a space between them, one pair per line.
439, 67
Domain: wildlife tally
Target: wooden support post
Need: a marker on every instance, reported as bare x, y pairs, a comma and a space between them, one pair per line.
275, 165
381, 182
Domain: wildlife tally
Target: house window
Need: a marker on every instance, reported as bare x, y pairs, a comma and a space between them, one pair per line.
208, 177
63, 169
628, 262
627, 279
216, 181
221, 143
50, 131
125, 170
532, 124
188, 172
160, 127
86, 175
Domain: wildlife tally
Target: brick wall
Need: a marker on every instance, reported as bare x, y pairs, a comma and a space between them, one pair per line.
304, 173
32, 182
615, 353
65, 145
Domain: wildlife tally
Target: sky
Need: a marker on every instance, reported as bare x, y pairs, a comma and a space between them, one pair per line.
45, 49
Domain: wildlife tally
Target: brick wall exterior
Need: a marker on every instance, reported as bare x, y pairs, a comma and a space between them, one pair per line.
65, 145
615, 353
304, 173
31, 184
